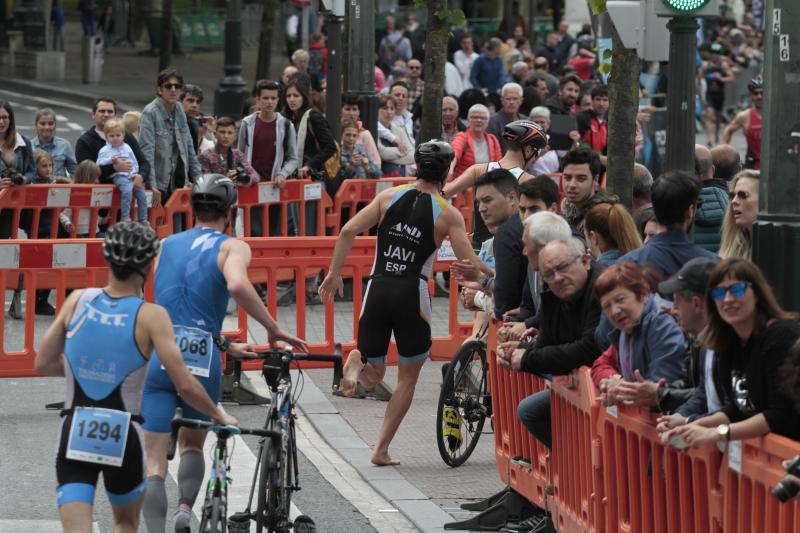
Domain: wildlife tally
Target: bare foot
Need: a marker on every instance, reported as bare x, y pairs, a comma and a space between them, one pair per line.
352, 368
383, 459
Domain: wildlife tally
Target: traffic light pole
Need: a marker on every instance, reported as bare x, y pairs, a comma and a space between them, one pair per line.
681, 94
361, 60
776, 234
232, 91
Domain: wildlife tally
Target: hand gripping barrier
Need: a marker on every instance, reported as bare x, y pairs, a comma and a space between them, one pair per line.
77, 264
354, 194
575, 458
515, 447
27, 203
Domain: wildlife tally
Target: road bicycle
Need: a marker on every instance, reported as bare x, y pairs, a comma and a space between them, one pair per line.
464, 402
276, 476
215, 505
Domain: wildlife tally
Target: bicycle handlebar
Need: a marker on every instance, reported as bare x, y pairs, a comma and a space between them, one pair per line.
322, 358
178, 422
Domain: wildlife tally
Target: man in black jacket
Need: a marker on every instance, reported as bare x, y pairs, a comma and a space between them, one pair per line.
93, 139
569, 317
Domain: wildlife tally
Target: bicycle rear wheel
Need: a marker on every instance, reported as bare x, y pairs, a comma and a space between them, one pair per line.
275, 485
462, 410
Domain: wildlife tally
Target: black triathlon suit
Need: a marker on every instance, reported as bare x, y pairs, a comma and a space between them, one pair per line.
397, 299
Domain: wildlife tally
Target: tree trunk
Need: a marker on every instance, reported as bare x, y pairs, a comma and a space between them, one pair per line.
435, 59
265, 40
623, 95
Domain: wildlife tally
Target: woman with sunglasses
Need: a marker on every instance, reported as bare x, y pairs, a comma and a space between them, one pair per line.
647, 345
751, 336
742, 211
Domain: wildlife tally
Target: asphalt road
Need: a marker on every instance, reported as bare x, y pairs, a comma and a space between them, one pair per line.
71, 119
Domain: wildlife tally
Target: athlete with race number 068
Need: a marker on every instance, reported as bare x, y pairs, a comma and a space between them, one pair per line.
106, 335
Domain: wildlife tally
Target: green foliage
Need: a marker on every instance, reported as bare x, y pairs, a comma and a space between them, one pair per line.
452, 17
608, 53
597, 6
604, 68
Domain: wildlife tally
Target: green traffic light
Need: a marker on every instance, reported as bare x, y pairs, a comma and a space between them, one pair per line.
686, 6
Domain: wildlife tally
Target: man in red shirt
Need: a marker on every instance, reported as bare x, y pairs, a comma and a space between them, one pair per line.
750, 121
269, 143
593, 123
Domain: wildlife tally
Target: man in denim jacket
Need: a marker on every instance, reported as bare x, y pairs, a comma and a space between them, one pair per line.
165, 139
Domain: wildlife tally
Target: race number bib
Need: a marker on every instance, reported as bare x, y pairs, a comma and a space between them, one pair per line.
98, 435
197, 348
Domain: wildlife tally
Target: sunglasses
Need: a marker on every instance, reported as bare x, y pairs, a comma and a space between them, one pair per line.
741, 195
737, 290
175, 86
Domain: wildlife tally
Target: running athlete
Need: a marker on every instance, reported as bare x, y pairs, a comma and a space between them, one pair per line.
412, 221
105, 336
717, 73
196, 273
750, 120
524, 140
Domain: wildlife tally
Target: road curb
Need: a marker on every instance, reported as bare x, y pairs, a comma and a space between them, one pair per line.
387, 481
49, 91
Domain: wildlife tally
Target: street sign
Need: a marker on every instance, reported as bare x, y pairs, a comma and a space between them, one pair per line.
639, 27
680, 8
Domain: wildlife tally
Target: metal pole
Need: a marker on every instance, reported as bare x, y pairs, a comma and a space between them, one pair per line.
681, 94
165, 54
333, 103
304, 27
360, 65
776, 238
230, 95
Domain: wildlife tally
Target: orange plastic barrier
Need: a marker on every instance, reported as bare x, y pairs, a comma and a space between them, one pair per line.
74, 264
465, 203
610, 473
576, 465
354, 194
85, 202
512, 439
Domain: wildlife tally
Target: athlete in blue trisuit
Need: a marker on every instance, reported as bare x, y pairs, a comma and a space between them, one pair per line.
101, 341
412, 221
196, 272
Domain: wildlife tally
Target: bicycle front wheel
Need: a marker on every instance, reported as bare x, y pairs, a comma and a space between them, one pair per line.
462, 410
275, 486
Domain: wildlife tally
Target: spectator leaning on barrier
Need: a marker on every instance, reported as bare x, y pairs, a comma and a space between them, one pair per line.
712, 203
674, 196
737, 227
59, 149
224, 158
693, 394
569, 317
269, 143
166, 140
16, 162
92, 140
751, 336
511, 99
356, 162
581, 169
647, 346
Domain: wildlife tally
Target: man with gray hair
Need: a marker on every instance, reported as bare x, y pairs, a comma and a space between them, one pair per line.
450, 123
569, 317
511, 100
714, 201
519, 72
642, 183
548, 162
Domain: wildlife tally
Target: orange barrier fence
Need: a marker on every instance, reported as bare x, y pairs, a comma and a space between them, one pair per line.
29, 202
512, 439
465, 203
609, 472
75, 264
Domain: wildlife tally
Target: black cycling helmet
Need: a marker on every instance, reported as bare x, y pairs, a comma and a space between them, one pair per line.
522, 133
130, 246
755, 84
214, 193
433, 159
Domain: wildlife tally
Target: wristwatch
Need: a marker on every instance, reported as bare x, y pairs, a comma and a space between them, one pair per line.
724, 432
222, 343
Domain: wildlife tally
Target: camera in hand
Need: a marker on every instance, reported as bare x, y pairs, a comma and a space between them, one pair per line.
785, 490
16, 178
241, 174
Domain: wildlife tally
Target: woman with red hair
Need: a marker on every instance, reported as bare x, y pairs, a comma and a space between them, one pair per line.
647, 345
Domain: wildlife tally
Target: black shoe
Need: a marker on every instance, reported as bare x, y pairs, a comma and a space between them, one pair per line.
15, 309
44, 308
313, 298
538, 523
287, 298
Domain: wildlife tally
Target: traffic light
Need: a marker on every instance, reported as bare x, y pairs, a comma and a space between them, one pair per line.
681, 8
639, 27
